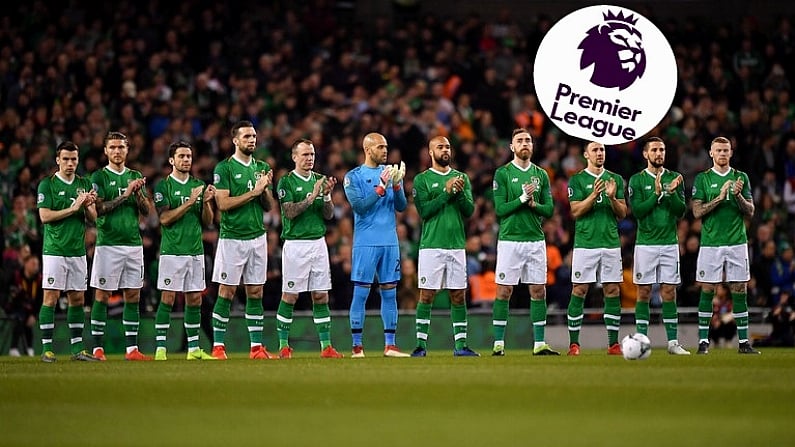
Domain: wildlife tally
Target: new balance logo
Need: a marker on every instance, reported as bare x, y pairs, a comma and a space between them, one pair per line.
238, 175
61, 193
113, 183
177, 193
515, 180
648, 187
435, 185
300, 188
714, 185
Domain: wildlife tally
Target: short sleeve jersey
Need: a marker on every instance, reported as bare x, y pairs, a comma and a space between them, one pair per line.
522, 225
246, 221
120, 226
65, 237
598, 228
308, 225
445, 228
659, 226
182, 237
725, 225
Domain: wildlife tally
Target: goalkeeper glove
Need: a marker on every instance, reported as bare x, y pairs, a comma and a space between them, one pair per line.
398, 172
383, 180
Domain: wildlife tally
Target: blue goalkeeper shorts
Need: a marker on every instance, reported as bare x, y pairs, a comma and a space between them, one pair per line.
369, 261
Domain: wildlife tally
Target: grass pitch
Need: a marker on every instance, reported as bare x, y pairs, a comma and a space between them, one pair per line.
721, 399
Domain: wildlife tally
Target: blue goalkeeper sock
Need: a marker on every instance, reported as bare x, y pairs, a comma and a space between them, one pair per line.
357, 316
389, 314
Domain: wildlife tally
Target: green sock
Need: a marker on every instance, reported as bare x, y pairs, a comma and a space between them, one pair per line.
423, 324
76, 320
612, 318
220, 319
642, 315
47, 326
499, 320
130, 319
704, 315
574, 317
538, 315
254, 320
740, 312
162, 323
99, 315
284, 319
670, 319
192, 324
322, 318
458, 313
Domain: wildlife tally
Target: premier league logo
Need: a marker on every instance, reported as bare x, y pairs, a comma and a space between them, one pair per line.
615, 49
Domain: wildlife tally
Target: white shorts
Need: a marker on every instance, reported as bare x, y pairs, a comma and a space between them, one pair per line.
181, 273
305, 266
590, 265
442, 269
524, 262
117, 267
656, 264
64, 273
714, 261
247, 259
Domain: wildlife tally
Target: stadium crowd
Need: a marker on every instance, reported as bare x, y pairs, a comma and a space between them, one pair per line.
164, 71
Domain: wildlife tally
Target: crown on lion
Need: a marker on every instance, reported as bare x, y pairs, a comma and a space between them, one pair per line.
612, 17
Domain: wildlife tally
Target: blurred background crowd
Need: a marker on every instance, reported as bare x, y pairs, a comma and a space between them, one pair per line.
162, 71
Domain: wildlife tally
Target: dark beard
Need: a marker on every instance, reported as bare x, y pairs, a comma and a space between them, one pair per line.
442, 162
656, 165
247, 151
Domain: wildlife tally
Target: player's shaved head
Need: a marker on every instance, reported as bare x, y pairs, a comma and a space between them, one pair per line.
373, 139
435, 141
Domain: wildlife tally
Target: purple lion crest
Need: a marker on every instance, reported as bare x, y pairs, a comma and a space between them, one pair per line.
615, 48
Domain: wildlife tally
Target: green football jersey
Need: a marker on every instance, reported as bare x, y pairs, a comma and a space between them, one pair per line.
442, 214
656, 215
724, 225
518, 221
65, 237
310, 224
184, 236
598, 228
120, 226
246, 221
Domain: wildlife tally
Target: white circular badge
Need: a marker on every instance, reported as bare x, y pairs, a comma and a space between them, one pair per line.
605, 73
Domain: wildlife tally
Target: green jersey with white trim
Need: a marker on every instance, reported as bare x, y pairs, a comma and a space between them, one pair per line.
308, 225
725, 225
119, 226
182, 237
245, 222
442, 214
518, 221
656, 215
65, 237
598, 228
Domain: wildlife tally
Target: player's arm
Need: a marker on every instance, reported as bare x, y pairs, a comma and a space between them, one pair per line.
614, 189
291, 209
676, 202
699, 205
266, 199
465, 202
580, 206
143, 202
361, 201
426, 206
742, 193
48, 215
106, 206
170, 215
401, 202
502, 206
544, 206
640, 207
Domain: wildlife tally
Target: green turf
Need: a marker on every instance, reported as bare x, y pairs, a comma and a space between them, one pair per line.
723, 399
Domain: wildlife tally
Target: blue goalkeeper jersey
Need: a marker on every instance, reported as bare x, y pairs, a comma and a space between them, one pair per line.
374, 221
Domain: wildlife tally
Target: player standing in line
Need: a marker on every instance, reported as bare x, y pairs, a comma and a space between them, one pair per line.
722, 199
65, 200
183, 204
443, 197
305, 198
522, 199
375, 192
242, 194
657, 199
597, 203
119, 255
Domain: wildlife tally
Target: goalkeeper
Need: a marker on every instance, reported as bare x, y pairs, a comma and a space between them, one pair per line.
375, 192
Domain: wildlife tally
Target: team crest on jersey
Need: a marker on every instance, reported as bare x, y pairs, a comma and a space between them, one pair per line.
158, 197
282, 193
50, 280
223, 275
167, 281
102, 281
535, 181
577, 275
290, 284
40, 198
216, 178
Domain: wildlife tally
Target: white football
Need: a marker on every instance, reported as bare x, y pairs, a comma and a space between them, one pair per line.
636, 347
